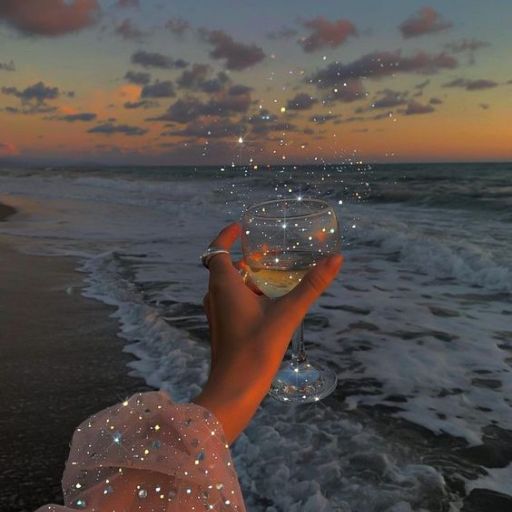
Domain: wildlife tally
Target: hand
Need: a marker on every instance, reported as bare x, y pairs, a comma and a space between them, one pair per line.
250, 333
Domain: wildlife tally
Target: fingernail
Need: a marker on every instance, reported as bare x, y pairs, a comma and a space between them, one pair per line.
334, 262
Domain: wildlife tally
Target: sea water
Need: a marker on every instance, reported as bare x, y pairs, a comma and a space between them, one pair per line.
418, 326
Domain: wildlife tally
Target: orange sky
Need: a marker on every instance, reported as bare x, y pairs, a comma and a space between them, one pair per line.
134, 83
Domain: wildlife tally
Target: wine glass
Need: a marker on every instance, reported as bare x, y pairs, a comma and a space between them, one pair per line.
281, 240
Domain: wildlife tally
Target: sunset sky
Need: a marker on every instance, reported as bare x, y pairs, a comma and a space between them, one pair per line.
255, 82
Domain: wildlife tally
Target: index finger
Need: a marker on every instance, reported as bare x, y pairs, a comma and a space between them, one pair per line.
224, 240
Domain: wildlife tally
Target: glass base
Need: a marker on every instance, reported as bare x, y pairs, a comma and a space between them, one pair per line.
300, 382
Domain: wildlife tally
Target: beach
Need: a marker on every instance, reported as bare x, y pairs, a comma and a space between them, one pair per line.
417, 327
60, 361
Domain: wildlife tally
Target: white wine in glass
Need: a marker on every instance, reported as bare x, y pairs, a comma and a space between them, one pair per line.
281, 241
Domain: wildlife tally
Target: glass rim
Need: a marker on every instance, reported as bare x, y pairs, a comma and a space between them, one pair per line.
325, 207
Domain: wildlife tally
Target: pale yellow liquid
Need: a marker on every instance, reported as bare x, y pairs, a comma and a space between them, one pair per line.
275, 279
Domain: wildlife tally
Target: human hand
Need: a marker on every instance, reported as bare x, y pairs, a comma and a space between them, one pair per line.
249, 333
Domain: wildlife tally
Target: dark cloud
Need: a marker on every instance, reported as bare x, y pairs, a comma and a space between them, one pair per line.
131, 105
7, 66
238, 56
389, 98
39, 93
425, 21
190, 108
127, 30
464, 45
414, 108
72, 118
31, 109
194, 77
136, 77
215, 129
110, 128
264, 122
282, 33
239, 90
347, 91
324, 118
128, 3
325, 33
472, 85
164, 89
301, 101
49, 17
381, 64
157, 60
484, 106
435, 101
197, 78
178, 26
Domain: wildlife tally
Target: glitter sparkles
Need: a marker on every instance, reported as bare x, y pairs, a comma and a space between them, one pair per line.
240, 140
81, 503
142, 494
157, 427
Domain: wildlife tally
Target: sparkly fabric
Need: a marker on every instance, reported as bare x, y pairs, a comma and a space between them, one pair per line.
149, 454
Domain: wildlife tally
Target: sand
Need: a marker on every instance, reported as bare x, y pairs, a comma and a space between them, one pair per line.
60, 361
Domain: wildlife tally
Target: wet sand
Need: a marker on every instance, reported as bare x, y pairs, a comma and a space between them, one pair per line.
60, 361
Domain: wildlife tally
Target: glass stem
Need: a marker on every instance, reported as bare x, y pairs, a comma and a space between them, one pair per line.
298, 351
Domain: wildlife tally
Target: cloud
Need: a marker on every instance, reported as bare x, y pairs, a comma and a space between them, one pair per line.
39, 92
484, 106
472, 85
415, 108
31, 109
301, 101
178, 26
7, 148
163, 89
381, 64
390, 99
325, 33
239, 90
347, 91
324, 118
190, 108
265, 122
110, 128
157, 60
131, 105
435, 101
282, 33
49, 17
466, 45
214, 129
138, 77
238, 56
72, 118
127, 30
425, 21
7, 66
128, 3
194, 77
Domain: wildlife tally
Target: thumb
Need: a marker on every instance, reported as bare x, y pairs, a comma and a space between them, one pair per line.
296, 303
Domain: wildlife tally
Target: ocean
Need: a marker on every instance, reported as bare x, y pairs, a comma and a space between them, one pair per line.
418, 326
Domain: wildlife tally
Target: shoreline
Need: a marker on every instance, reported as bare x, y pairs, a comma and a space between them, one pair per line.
60, 361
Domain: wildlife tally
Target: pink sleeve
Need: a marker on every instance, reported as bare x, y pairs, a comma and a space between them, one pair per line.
149, 454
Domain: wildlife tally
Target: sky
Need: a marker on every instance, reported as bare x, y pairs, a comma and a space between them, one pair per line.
154, 82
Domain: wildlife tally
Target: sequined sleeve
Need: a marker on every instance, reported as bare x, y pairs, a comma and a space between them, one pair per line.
150, 454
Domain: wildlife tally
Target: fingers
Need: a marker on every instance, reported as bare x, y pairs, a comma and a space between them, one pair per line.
296, 303
224, 240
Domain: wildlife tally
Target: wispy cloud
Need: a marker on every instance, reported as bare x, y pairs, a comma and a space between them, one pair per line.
326, 34
111, 128
426, 21
157, 60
